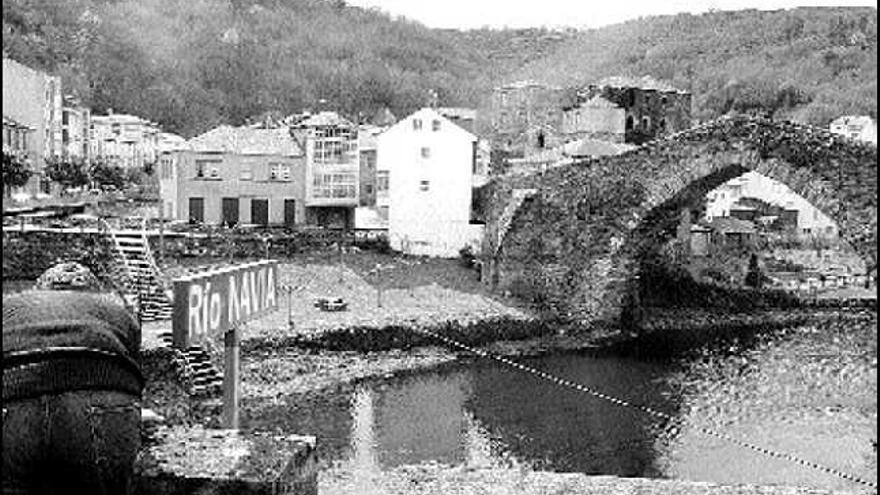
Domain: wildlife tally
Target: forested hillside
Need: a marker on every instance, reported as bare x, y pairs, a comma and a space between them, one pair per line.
807, 64
193, 64
190, 65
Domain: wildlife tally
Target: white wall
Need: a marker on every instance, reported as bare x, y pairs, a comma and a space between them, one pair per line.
435, 221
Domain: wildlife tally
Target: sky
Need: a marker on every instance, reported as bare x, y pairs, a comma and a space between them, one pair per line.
466, 14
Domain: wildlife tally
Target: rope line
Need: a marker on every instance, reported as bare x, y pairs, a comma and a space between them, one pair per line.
650, 411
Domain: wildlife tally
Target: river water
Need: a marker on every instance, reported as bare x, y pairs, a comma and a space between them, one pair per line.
809, 391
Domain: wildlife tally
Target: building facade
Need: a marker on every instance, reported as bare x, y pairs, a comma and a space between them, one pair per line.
75, 130
124, 140
651, 108
596, 118
32, 99
167, 142
518, 108
235, 175
333, 170
425, 176
859, 128
811, 223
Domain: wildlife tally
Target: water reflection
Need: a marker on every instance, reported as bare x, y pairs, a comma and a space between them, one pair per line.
810, 392
484, 414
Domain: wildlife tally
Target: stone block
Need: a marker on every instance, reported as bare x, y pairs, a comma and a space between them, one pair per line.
203, 461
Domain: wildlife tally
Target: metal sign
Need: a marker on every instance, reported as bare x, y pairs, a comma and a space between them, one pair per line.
209, 303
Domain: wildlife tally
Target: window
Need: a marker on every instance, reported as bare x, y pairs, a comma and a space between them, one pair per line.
382, 182
196, 210
424, 185
335, 145
279, 171
335, 186
206, 167
435, 125
663, 125
629, 123
368, 188
646, 122
417, 124
426, 152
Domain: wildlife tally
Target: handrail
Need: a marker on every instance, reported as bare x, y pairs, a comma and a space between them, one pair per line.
120, 259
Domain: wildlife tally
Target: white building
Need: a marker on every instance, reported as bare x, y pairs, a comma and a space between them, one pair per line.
811, 222
860, 128
124, 140
425, 176
168, 142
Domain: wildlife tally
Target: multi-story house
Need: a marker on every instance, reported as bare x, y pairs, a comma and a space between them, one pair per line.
651, 108
168, 142
463, 117
124, 140
333, 170
75, 130
32, 99
234, 175
17, 139
518, 113
425, 177
596, 118
860, 128
810, 221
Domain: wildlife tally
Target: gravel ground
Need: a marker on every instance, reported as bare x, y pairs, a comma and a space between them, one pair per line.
272, 378
436, 479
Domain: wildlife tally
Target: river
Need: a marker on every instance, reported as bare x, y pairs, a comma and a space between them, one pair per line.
809, 391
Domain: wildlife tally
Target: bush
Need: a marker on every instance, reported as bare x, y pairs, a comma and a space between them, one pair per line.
467, 257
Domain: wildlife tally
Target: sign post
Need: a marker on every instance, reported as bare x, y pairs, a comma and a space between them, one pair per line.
231, 377
209, 303
217, 302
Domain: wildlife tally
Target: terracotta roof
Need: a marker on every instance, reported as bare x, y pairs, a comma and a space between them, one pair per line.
644, 82
595, 147
384, 117
598, 102
367, 137
8, 121
457, 112
246, 141
325, 119
862, 120
730, 225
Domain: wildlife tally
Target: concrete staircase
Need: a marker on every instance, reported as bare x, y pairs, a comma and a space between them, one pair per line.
506, 218
204, 379
143, 279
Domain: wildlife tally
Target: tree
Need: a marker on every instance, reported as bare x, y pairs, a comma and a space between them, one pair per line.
103, 174
149, 168
754, 277
16, 173
68, 173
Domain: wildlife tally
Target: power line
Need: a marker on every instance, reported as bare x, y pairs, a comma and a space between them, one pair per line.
648, 410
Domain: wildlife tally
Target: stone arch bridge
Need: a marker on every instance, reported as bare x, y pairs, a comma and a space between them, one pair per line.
573, 236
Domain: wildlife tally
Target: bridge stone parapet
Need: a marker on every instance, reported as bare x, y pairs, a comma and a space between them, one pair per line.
574, 245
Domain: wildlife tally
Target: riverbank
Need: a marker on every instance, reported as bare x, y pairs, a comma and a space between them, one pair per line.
437, 479
288, 367
300, 349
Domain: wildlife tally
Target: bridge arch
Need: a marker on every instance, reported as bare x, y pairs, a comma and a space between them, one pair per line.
572, 237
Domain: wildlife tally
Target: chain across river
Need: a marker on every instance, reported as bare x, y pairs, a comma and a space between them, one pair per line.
653, 412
